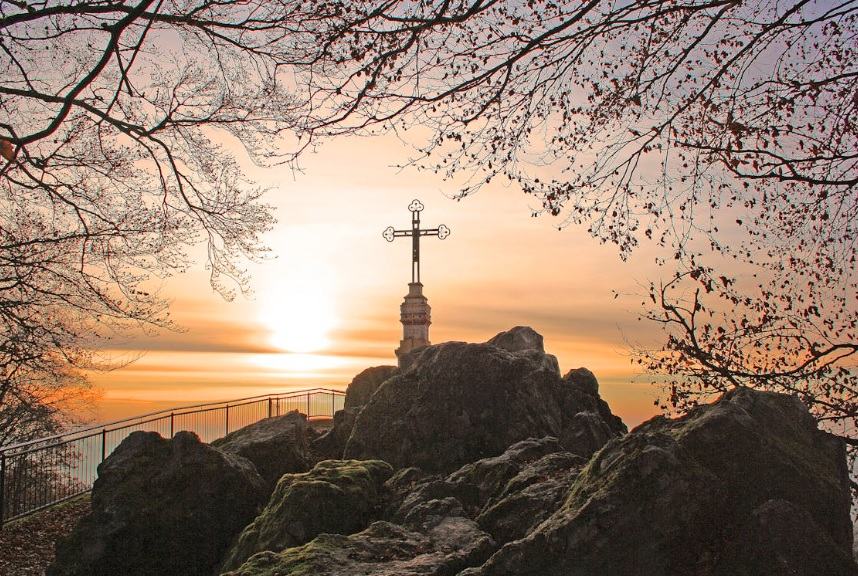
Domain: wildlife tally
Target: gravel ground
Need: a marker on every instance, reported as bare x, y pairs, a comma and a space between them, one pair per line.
27, 545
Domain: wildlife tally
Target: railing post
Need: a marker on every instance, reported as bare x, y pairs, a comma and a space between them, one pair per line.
103, 444
227, 420
2, 489
308, 404
172, 433
333, 404
269, 406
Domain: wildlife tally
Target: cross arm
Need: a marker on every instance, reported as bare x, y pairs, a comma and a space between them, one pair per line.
441, 232
389, 233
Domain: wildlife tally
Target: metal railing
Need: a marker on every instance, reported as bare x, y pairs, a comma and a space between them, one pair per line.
41, 473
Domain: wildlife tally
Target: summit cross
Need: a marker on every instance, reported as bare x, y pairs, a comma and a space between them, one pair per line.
416, 232
415, 314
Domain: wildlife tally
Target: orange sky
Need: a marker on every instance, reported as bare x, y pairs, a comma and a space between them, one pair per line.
327, 305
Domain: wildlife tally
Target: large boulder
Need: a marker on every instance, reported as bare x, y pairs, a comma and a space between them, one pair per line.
276, 445
366, 383
519, 339
166, 507
336, 497
684, 497
461, 402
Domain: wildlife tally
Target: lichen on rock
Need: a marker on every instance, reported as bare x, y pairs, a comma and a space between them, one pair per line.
336, 496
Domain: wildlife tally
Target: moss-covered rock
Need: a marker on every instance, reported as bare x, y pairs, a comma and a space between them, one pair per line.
336, 496
444, 548
673, 496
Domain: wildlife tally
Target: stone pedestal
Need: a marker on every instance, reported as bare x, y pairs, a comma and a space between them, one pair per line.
415, 315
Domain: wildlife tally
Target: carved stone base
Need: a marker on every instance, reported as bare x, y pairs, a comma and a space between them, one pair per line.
416, 316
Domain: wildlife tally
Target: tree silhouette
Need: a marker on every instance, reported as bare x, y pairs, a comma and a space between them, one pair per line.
723, 131
119, 124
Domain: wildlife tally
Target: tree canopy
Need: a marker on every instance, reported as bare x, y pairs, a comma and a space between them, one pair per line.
722, 131
119, 124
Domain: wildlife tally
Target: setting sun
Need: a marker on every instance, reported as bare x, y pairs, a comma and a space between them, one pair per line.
300, 313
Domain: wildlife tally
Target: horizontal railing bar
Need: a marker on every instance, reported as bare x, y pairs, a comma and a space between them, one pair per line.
52, 446
164, 413
91, 445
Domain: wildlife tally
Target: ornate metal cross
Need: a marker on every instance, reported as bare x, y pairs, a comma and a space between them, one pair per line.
416, 232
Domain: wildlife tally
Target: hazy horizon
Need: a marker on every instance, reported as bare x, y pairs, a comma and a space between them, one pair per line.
326, 305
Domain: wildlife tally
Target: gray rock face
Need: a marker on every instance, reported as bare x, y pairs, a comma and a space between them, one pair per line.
276, 446
507, 495
526, 341
583, 380
461, 402
519, 339
366, 383
166, 507
671, 497
530, 496
490, 475
582, 384
332, 443
336, 496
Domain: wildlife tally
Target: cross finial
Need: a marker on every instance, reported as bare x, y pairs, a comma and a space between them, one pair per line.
416, 232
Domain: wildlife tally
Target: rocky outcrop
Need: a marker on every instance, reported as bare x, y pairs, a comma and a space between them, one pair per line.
336, 497
332, 444
507, 495
501, 467
276, 446
366, 383
166, 507
428, 532
461, 402
673, 496
583, 384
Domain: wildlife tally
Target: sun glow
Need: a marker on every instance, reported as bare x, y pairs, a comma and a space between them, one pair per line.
300, 312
